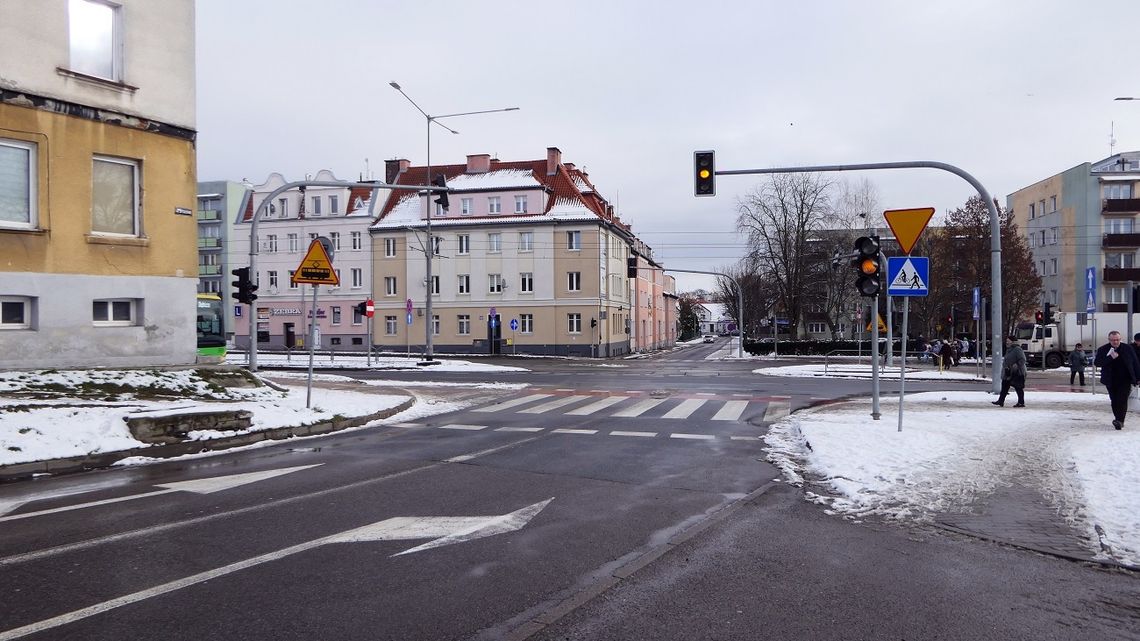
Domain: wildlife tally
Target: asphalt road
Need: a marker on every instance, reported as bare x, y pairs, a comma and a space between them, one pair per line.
623, 500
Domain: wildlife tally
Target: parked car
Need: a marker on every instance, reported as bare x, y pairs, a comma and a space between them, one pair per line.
709, 338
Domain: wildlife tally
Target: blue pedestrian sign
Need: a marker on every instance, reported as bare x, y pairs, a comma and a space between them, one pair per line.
977, 303
1090, 290
908, 276
514, 324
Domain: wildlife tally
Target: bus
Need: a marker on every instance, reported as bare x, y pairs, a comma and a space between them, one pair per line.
211, 329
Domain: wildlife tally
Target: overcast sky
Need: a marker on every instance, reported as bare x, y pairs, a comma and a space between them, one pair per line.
1012, 91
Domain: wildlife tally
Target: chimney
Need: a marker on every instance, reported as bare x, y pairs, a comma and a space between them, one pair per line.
393, 168
553, 159
478, 163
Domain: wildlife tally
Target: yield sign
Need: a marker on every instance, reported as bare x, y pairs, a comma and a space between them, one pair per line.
316, 267
907, 224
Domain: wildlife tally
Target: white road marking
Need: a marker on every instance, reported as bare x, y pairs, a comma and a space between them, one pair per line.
474, 455
565, 390
519, 429
777, 410
570, 431
514, 402
457, 426
745, 438
552, 405
444, 530
639, 408
686, 408
705, 394
407, 425
599, 391
597, 405
731, 411
700, 437
643, 434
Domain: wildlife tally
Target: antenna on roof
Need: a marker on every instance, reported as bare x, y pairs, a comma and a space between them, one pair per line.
1111, 137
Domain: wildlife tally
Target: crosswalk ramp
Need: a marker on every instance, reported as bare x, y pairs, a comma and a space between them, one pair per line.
636, 406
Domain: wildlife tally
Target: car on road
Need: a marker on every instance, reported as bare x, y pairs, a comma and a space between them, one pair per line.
709, 338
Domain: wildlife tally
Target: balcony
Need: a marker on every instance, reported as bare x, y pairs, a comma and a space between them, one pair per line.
1121, 274
209, 243
209, 214
1121, 205
1121, 240
209, 270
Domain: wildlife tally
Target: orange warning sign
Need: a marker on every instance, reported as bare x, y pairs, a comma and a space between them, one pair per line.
908, 224
316, 267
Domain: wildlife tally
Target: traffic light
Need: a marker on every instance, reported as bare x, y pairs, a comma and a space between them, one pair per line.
1048, 313
950, 319
244, 288
631, 267
361, 308
441, 181
1040, 317
593, 322
704, 172
867, 265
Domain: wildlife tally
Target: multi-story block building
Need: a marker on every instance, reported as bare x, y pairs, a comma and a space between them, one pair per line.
220, 206
97, 183
285, 230
1084, 217
530, 245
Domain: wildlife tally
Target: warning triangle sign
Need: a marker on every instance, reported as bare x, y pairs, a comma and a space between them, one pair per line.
882, 325
316, 267
907, 278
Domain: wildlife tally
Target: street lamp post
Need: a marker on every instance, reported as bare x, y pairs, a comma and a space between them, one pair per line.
428, 357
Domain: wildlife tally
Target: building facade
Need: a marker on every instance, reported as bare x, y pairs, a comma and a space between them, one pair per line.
1080, 218
97, 183
528, 258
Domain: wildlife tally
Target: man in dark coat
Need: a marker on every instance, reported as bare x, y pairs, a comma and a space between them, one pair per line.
1012, 373
1119, 371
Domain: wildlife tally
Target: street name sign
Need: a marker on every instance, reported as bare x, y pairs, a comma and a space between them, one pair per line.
316, 267
908, 225
908, 276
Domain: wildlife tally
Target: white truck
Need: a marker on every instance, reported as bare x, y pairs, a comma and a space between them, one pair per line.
1054, 341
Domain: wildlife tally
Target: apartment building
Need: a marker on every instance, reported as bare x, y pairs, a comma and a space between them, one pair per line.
528, 258
220, 206
97, 183
654, 324
286, 228
1084, 217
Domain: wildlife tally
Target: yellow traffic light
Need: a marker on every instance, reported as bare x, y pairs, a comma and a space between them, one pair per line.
869, 266
704, 164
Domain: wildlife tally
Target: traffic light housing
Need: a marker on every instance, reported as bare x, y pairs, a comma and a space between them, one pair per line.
1039, 317
361, 308
244, 288
441, 181
704, 173
631, 267
593, 322
867, 266
1048, 313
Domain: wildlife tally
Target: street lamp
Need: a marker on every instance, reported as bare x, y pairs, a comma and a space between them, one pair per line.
430, 246
1126, 98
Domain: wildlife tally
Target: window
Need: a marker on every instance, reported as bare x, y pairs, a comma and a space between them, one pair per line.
312, 237
115, 196
494, 243
271, 243
520, 204
1053, 236
435, 285
1118, 225
334, 204
526, 241
15, 312
495, 283
464, 324
390, 325
464, 285
113, 312
1052, 267
574, 281
1052, 204
574, 240
526, 283
1115, 191
96, 47
817, 328
316, 205
338, 279
272, 279
1032, 210
335, 340
526, 323
494, 205
1120, 261
389, 247
1041, 207
334, 237
357, 317
294, 243
357, 243
435, 324
436, 244
336, 315
1114, 295
1032, 240
292, 283
439, 210
357, 277
390, 286
574, 323
1041, 238
465, 206
17, 184
283, 210
464, 244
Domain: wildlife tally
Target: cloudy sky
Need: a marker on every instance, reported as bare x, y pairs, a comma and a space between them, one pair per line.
1011, 91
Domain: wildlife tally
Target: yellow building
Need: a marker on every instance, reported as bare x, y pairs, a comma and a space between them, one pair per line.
97, 183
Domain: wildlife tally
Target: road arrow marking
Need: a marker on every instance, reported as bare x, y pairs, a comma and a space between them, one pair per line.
197, 486
444, 529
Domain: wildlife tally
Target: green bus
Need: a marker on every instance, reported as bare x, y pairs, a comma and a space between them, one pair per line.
211, 329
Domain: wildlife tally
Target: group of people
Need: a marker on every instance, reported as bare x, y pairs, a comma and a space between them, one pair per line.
944, 353
1119, 365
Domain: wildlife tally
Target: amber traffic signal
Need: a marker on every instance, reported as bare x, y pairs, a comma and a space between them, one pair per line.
867, 266
704, 173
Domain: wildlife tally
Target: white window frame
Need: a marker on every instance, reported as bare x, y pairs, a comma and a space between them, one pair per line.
816, 327
334, 204
391, 288
1052, 204
271, 243
1125, 260
110, 307
526, 282
520, 204
25, 313
494, 283
30, 187
573, 281
283, 209
389, 248
526, 323
390, 325
357, 277
1118, 225
526, 241
272, 278
80, 16
574, 323
435, 284
465, 206
316, 205
335, 238
294, 243
292, 283
1032, 210
336, 318
494, 205
463, 284
464, 244
136, 207
574, 241
357, 241
437, 245
1115, 295
494, 243
463, 324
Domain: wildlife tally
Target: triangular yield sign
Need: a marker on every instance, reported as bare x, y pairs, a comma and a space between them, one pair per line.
316, 267
907, 224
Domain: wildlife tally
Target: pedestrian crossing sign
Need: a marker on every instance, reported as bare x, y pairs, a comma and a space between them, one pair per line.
908, 276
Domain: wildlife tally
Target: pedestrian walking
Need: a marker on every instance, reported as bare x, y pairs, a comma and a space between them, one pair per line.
1012, 373
1119, 371
1077, 364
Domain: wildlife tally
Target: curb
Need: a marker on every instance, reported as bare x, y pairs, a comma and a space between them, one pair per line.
69, 465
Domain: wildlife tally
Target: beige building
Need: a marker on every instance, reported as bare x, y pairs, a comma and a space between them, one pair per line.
529, 258
97, 183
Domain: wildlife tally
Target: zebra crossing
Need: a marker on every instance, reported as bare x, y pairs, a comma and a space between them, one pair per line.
636, 405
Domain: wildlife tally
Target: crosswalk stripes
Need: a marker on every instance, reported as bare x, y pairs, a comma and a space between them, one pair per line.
685, 408
639, 408
514, 402
777, 410
730, 411
551, 405
586, 410
578, 431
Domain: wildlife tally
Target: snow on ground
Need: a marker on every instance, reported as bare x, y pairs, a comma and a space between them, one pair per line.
862, 370
955, 448
334, 378
324, 361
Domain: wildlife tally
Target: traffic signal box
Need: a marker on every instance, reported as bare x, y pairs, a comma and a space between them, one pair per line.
244, 288
631, 267
867, 266
704, 173
441, 181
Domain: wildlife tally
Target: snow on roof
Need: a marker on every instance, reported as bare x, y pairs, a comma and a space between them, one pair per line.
581, 183
496, 179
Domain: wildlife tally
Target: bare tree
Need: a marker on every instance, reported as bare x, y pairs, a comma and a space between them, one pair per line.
856, 206
758, 296
779, 218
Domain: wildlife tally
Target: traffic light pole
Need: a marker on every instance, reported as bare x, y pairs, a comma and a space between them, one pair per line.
875, 414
